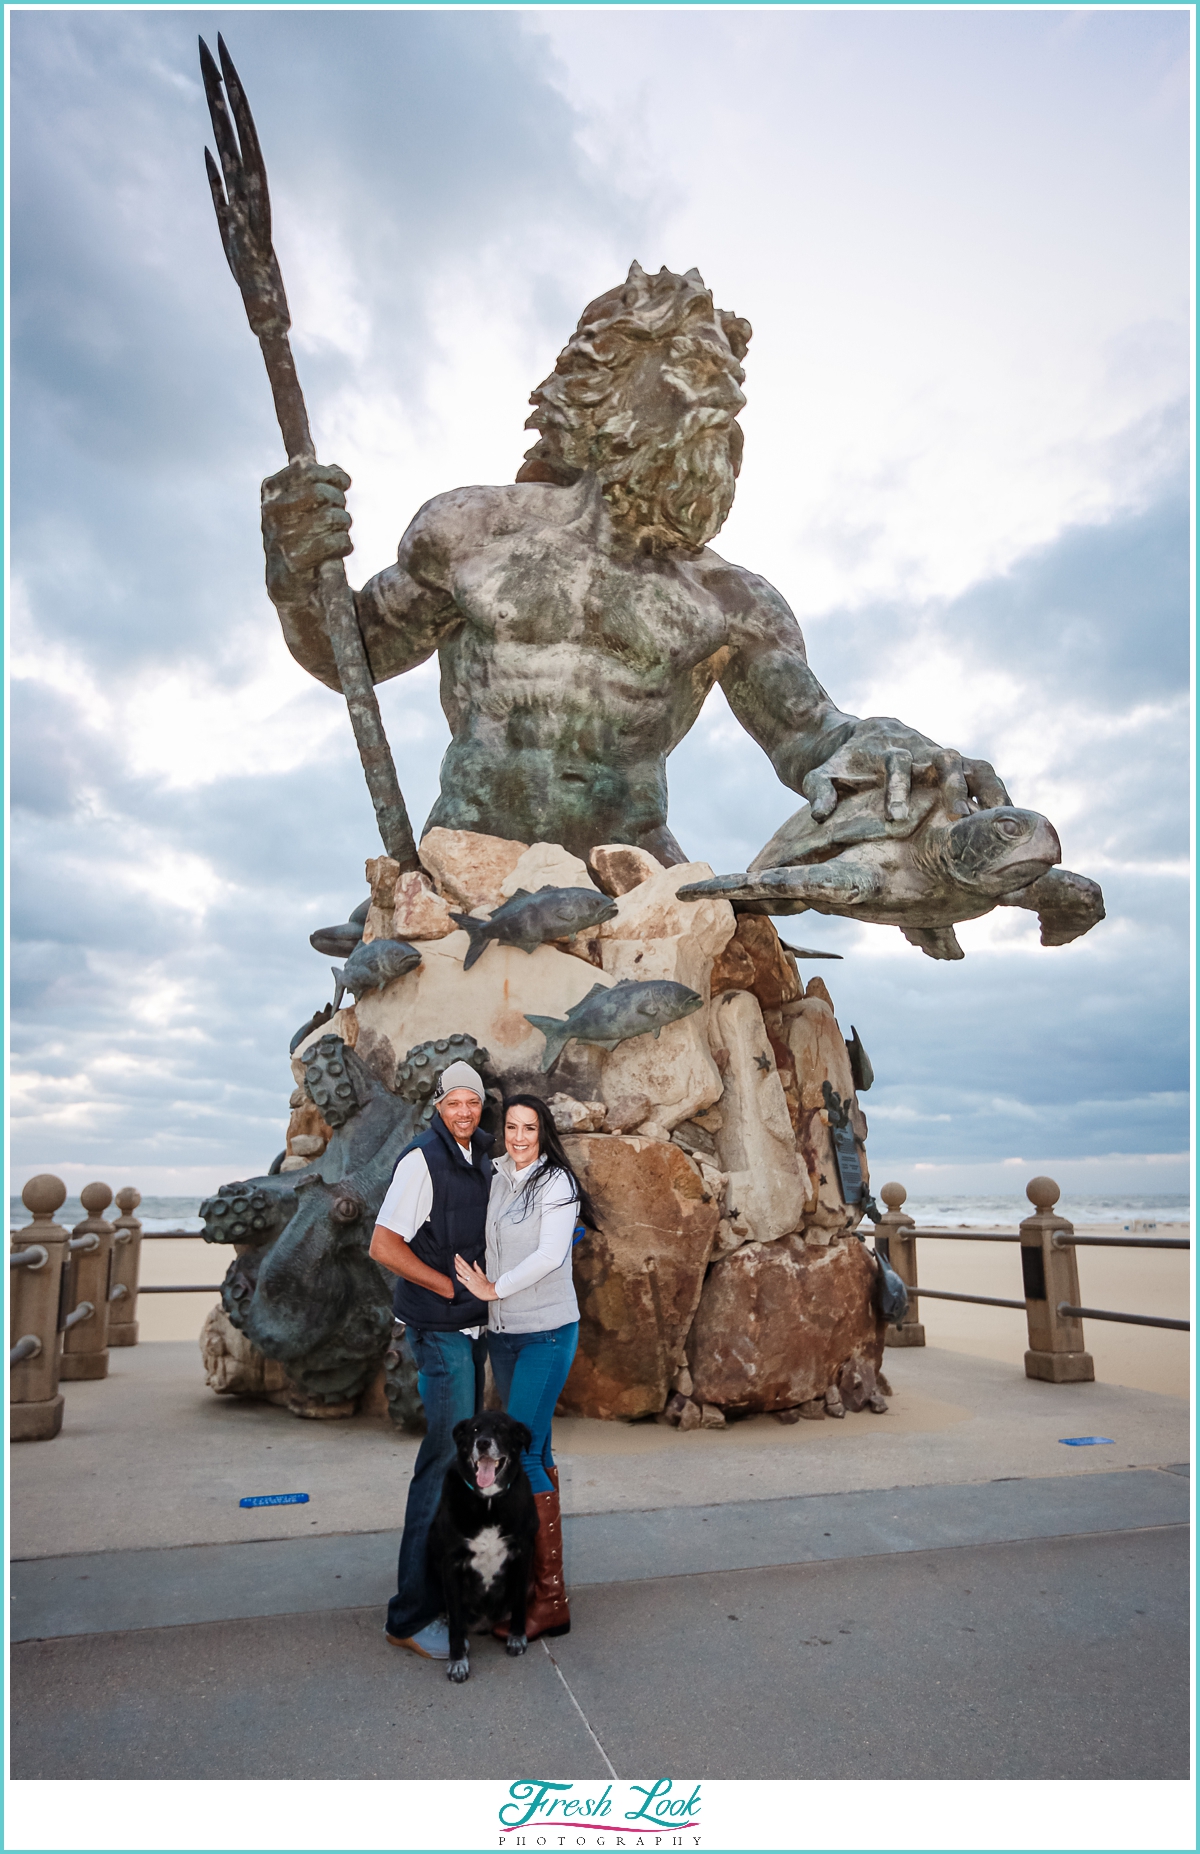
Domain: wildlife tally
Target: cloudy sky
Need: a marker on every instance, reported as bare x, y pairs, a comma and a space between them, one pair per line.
962, 240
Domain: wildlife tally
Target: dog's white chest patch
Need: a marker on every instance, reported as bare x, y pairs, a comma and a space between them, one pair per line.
489, 1553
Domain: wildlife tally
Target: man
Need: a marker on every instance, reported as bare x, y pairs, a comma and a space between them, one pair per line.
435, 1208
580, 617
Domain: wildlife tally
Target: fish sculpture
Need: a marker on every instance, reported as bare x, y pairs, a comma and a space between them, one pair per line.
371, 967
528, 921
807, 952
611, 1014
312, 1023
922, 873
341, 941
861, 1072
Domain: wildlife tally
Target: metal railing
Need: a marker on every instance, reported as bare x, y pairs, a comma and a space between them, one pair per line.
1066, 1312
1121, 1242
202, 1287
34, 1257
73, 1295
1049, 1275
172, 1287
1058, 1241
977, 1300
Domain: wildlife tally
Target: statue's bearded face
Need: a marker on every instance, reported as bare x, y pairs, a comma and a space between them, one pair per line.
669, 468
645, 397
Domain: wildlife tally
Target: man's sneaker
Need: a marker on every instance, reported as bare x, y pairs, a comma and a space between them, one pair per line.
433, 1641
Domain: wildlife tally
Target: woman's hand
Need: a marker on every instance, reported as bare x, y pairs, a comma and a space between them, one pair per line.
474, 1278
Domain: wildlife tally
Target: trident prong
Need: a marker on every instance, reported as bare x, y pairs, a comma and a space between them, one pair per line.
241, 197
242, 204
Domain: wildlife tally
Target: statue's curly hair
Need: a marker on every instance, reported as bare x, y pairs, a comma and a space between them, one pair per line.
588, 422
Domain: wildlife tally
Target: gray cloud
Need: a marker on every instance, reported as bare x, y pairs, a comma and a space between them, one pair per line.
160, 956
140, 411
1079, 1050
152, 1024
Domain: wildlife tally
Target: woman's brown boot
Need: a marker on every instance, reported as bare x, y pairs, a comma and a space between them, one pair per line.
547, 1613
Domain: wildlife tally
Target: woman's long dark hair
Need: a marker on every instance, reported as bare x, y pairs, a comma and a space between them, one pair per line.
551, 1156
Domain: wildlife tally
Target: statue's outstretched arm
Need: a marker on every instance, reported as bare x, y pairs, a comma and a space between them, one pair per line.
815, 748
305, 521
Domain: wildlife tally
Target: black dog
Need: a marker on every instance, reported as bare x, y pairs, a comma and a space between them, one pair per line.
481, 1540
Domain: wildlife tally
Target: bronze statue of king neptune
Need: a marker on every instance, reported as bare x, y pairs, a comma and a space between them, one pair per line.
580, 615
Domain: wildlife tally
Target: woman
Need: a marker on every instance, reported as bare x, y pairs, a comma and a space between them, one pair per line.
535, 1206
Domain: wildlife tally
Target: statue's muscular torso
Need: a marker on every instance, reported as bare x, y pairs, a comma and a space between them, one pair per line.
571, 666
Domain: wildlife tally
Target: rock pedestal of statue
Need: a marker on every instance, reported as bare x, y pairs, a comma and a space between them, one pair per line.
588, 553
726, 1251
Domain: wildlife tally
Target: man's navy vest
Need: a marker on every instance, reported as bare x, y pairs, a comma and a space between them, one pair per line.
457, 1225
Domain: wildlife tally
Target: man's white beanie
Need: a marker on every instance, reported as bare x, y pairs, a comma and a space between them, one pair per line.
459, 1075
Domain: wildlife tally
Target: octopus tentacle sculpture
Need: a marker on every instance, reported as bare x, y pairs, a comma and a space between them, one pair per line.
305, 1291
303, 1287
417, 1077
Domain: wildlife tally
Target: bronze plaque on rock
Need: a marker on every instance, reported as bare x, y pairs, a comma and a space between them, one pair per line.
845, 1151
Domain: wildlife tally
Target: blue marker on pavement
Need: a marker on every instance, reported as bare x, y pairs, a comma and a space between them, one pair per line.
1083, 1441
274, 1500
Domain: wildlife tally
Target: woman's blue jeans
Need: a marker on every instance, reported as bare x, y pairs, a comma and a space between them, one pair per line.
530, 1370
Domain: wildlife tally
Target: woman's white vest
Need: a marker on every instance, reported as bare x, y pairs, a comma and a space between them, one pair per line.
514, 1224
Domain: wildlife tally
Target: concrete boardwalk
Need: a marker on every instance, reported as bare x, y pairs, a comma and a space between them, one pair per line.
943, 1592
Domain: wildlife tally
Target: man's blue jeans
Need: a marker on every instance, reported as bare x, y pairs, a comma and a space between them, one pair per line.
450, 1380
530, 1370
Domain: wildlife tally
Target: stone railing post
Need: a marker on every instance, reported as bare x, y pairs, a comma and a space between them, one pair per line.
1050, 1275
34, 1288
127, 1258
901, 1251
85, 1344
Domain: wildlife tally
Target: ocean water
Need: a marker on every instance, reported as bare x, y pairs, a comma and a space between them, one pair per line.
170, 1213
1004, 1211
163, 1213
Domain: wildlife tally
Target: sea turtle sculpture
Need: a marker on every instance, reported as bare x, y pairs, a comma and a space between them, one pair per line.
922, 872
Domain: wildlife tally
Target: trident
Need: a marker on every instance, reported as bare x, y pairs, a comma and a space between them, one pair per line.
243, 208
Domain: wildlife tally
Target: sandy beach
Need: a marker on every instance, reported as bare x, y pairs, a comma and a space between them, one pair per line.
1153, 1281
1156, 1281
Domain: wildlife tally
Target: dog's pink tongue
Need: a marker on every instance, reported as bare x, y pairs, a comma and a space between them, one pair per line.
485, 1472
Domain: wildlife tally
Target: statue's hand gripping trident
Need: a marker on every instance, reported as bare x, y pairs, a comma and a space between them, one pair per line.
243, 207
